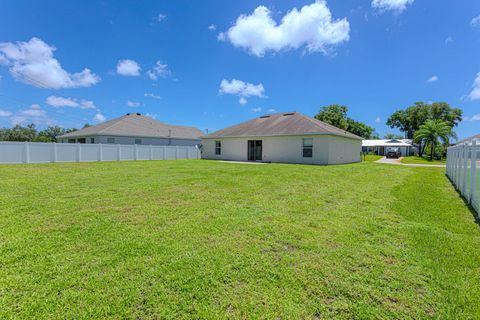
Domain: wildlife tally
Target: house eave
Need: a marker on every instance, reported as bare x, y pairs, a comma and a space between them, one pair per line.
284, 135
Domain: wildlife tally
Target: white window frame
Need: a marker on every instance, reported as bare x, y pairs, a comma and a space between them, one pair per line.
307, 147
218, 147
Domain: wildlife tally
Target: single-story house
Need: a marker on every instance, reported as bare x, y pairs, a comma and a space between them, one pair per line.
289, 137
470, 139
381, 147
133, 128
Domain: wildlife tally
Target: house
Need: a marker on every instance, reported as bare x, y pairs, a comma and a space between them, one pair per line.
133, 128
289, 137
380, 147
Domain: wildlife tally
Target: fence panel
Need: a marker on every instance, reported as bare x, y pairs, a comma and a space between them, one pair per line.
463, 169
37, 152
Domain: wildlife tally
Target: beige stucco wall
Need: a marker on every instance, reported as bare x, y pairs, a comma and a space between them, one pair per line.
327, 149
344, 150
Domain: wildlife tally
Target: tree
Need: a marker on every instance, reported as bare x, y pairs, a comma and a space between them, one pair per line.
411, 119
19, 133
30, 133
336, 115
359, 128
51, 133
431, 132
393, 136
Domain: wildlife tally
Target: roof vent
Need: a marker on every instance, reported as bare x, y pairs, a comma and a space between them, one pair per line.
266, 116
289, 114
138, 114
128, 114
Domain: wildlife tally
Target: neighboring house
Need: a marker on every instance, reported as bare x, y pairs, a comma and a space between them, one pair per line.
133, 128
289, 137
470, 139
380, 147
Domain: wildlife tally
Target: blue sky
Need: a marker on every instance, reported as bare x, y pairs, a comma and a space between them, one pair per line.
68, 64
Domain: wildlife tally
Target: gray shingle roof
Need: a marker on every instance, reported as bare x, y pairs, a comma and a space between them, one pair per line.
287, 123
139, 126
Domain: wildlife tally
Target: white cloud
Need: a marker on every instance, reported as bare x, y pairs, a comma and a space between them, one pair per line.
133, 104
212, 27
99, 118
398, 6
475, 117
311, 27
128, 67
153, 116
378, 120
160, 17
475, 93
159, 70
59, 102
271, 110
241, 89
34, 114
33, 63
432, 79
256, 110
221, 36
475, 22
153, 96
5, 114
448, 40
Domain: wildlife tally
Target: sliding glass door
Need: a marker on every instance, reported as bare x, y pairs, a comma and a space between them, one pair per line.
254, 150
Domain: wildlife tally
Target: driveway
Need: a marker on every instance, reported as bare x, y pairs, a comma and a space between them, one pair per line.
397, 162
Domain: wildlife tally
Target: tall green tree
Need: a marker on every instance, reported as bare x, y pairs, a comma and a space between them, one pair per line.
412, 118
30, 133
431, 132
336, 115
393, 136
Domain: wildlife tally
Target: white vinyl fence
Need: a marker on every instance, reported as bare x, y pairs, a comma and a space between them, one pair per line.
463, 169
36, 152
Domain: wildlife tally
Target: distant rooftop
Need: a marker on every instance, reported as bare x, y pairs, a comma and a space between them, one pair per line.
137, 125
388, 143
286, 123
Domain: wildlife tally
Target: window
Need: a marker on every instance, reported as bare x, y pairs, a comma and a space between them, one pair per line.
138, 141
81, 140
307, 148
218, 147
110, 140
71, 140
92, 140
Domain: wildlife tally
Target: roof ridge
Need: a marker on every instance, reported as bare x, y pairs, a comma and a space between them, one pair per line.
114, 123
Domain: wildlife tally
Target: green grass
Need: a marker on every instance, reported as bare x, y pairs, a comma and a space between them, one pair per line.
211, 240
422, 160
372, 157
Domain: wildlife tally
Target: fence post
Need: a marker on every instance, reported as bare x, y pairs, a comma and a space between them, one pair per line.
473, 173
188, 152
176, 153
54, 152
465, 170
150, 153
164, 155
79, 152
119, 152
100, 152
26, 154
135, 153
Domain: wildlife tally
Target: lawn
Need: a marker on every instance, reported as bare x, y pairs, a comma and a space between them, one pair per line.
422, 160
372, 157
211, 240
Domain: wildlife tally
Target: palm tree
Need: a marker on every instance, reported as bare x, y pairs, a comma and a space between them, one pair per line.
433, 130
